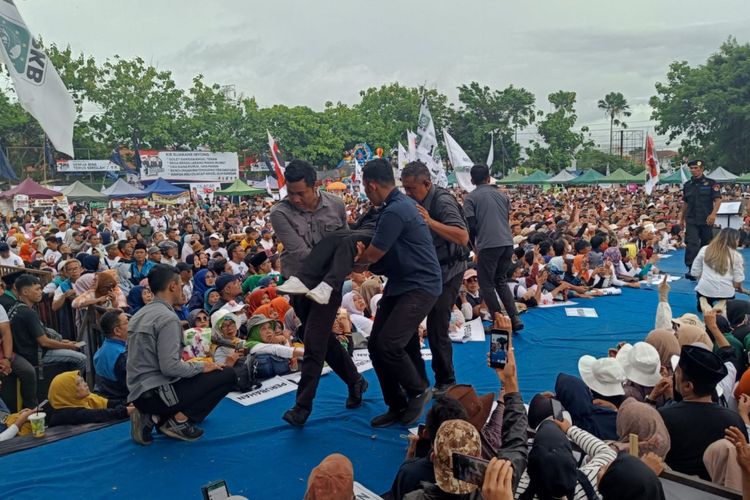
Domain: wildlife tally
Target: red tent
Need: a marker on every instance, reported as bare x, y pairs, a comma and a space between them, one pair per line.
30, 189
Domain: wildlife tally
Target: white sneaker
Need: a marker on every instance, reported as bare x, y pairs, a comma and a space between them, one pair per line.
293, 286
321, 293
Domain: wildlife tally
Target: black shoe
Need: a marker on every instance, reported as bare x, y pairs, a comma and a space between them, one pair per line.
516, 324
388, 418
441, 389
690, 277
415, 407
141, 426
184, 431
355, 393
296, 416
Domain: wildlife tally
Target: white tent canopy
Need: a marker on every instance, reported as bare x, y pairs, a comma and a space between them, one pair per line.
721, 175
561, 178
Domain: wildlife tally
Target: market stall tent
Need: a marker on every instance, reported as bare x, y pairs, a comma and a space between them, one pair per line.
562, 177
160, 186
121, 189
239, 188
537, 177
721, 175
78, 191
589, 176
31, 189
620, 176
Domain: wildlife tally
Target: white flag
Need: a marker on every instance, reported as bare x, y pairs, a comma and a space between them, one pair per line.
491, 154
684, 177
40, 90
427, 145
403, 159
357, 172
461, 162
607, 173
411, 140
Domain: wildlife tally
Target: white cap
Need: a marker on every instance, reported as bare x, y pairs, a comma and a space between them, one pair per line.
641, 363
604, 375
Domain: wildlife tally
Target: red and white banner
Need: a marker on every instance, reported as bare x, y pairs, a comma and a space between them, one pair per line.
652, 165
277, 166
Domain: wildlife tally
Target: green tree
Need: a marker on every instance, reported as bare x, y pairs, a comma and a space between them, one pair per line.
486, 113
598, 160
135, 96
708, 107
561, 142
614, 106
212, 118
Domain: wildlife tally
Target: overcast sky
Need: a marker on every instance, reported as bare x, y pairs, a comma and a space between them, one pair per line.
305, 52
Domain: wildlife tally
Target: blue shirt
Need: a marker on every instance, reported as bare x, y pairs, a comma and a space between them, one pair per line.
410, 261
135, 275
106, 357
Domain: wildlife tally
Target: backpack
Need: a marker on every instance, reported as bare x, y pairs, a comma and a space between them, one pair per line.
449, 252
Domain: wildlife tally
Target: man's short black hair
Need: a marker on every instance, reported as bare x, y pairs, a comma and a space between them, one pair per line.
300, 170
700, 387
122, 244
218, 265
596, 241
25, 281
109, 321
160, 277
581, 245
140, 246
416, 169
519, 252
479, 173
544, 247
380, 171
558, 246
444, 408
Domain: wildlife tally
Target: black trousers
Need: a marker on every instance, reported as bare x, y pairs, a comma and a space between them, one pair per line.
26, 374
438, 321
332, 259
197, 396
320, 345
696, 236
711, 300
394, 346
492, 272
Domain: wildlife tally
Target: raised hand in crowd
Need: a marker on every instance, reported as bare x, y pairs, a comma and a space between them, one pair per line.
498, 480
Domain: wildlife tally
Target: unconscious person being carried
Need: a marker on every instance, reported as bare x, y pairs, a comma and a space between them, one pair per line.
329, 262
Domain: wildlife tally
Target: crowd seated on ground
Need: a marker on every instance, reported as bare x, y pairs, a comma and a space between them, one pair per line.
686, 373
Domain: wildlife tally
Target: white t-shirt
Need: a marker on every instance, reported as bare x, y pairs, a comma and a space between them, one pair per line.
240, 268
12, 260
3, 315
221, 250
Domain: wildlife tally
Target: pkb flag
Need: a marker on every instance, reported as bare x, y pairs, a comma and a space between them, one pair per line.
40, 89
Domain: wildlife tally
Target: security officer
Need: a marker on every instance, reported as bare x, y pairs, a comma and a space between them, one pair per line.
701, 199
450, 236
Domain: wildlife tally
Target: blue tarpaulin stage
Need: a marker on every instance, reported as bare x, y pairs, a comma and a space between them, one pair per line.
261, 457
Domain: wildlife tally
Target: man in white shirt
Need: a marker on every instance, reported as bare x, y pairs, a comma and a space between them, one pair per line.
8, 258
159, 222
237, 259
213, 246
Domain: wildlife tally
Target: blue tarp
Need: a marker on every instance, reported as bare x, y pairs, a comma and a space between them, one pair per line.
261, 457
160, 186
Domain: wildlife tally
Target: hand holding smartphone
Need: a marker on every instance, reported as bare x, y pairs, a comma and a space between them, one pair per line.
498, 348
469, 469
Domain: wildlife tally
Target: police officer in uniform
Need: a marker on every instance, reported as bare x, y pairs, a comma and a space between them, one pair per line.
701, 199
450, 236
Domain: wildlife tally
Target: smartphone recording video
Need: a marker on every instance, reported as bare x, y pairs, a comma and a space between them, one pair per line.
469, 469
498, 348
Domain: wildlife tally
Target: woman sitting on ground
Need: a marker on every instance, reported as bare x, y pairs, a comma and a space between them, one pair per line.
356, 306
719, 269
271, 348
73, 403
224, 337
644, 421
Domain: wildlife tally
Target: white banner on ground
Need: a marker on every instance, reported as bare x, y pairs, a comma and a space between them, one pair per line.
361, 358
198, 166
39, 87
426, 354
581, 312
296, 376
270, 388
362, 493
87, 166
557, 304
204, 190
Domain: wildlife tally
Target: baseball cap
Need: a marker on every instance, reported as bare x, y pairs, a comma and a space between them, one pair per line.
470, 273
454, 436
216, 236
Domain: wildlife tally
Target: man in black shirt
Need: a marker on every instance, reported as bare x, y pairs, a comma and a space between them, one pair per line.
444, 218
696, 421
701, 201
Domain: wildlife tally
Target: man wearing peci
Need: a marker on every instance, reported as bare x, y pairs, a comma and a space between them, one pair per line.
701, 199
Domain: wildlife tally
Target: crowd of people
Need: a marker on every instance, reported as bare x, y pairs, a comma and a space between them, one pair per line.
195, 301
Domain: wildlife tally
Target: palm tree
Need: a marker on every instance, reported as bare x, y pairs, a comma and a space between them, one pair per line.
614, 106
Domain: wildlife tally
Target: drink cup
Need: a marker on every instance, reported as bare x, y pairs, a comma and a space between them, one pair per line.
37, 424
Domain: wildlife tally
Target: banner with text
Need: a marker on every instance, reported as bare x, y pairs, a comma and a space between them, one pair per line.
87, 166
204, 190
189, 166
